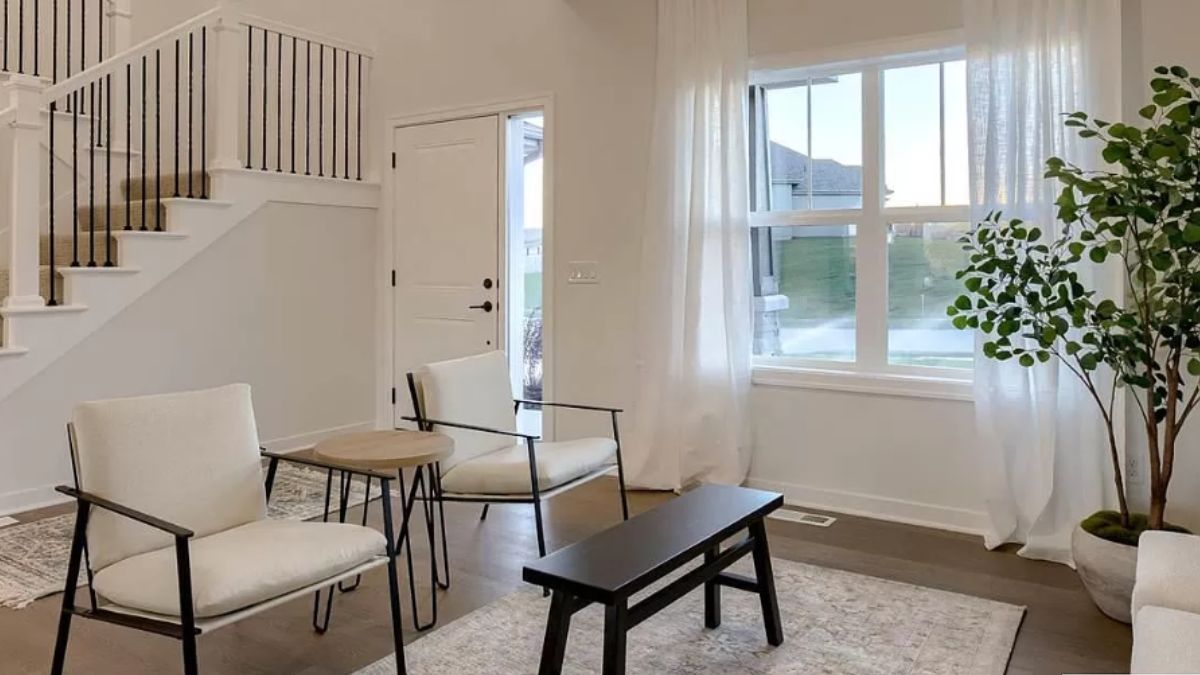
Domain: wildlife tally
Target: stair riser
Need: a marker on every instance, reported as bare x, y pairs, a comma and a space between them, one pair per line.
136, 187
115, 218
64, 253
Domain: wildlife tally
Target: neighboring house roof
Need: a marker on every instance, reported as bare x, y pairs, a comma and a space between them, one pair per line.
829, 177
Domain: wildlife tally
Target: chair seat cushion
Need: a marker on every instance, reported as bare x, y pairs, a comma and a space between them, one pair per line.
506, 471
240, 567
1165, 641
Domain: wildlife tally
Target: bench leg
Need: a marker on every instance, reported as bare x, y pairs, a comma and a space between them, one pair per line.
712, 594
616, 623
558, 627
766, 584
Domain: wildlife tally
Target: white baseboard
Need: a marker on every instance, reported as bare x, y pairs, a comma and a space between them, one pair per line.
880, 508
42, 496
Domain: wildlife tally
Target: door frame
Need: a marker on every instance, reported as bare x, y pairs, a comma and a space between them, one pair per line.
385, 328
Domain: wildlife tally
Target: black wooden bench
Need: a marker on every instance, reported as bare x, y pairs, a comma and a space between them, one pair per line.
611, 566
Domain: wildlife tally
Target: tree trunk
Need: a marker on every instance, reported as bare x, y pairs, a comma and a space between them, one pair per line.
1158, 507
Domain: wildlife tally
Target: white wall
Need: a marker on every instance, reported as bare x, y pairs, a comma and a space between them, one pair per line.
1168, 37
285, 302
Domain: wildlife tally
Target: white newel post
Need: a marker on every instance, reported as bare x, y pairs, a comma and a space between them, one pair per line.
228, 63
25, 190
120, 25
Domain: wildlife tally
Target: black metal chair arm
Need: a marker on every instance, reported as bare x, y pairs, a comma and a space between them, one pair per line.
326, 464
422, 421
575, 406
122, 510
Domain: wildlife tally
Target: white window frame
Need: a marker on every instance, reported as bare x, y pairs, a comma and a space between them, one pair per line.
870, 372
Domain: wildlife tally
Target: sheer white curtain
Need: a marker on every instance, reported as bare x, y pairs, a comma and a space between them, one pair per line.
1044, 458
694, 327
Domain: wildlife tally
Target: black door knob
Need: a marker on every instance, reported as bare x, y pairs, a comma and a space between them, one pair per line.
486, 306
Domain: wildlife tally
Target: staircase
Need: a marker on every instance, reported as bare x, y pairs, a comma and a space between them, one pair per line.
125, 169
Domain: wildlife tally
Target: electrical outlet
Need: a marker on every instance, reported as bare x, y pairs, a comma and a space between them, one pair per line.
583, 272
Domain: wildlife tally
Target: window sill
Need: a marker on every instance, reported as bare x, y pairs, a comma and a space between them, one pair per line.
879, 384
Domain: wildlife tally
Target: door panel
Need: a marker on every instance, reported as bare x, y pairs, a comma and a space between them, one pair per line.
447, 233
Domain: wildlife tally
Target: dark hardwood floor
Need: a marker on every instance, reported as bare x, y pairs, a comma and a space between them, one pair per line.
1062, 631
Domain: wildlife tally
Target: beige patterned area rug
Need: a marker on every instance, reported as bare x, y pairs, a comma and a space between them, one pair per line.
33, 556
834, 622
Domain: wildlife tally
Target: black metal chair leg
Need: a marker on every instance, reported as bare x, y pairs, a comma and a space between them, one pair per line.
712, 594
435, 474
407, 539
620, 468
393, 582
366, 505
318, 624
483, 514
68, 601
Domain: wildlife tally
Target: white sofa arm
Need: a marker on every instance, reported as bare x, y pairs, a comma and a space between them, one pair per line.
1168, 572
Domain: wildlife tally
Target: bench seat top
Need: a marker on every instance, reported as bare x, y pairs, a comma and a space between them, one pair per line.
627, 557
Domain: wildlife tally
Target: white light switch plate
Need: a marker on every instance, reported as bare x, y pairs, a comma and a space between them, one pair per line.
583, 272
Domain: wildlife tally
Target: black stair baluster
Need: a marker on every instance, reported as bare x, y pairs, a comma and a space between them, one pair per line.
70, 99
75, 180
145, 147
54, 43
279, 103
5, 35
176, 83
307, 105
92, 178
128, 141
204, 112
191, 78
52, 300
82, 38
108, 259
249, 93
358, 124
321, 110
157, 141
346, 133
294, 50
264, 100
21, 36
333, 100
37, 30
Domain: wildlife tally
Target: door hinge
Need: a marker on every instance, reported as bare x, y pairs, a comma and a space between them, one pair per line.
393, 396
393, 278
393, 160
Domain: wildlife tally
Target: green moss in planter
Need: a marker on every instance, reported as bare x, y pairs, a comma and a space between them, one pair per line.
1107, 525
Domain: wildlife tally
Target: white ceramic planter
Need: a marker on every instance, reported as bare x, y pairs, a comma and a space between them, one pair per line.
1107, 570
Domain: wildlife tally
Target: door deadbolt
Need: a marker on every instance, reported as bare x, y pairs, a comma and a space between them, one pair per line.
487, 283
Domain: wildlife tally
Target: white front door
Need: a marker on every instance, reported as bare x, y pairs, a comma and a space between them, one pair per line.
447, 255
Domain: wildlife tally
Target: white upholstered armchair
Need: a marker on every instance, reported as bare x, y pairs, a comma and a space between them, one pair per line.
470, 399
171, 523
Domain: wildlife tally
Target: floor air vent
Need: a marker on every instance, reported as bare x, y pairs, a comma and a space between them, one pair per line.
794, 516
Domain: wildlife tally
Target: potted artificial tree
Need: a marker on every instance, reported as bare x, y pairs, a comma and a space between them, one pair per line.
1024, 292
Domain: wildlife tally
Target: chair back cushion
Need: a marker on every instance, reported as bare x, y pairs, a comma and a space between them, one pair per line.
473, 390
190, 458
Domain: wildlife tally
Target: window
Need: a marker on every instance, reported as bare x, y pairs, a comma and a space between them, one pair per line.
859, 196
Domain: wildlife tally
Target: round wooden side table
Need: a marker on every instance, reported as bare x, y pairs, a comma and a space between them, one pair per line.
397, 450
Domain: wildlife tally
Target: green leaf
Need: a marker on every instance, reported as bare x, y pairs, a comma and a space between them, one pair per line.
1148, 111
1193, 367
962, 302
1098, 254
1026, 360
